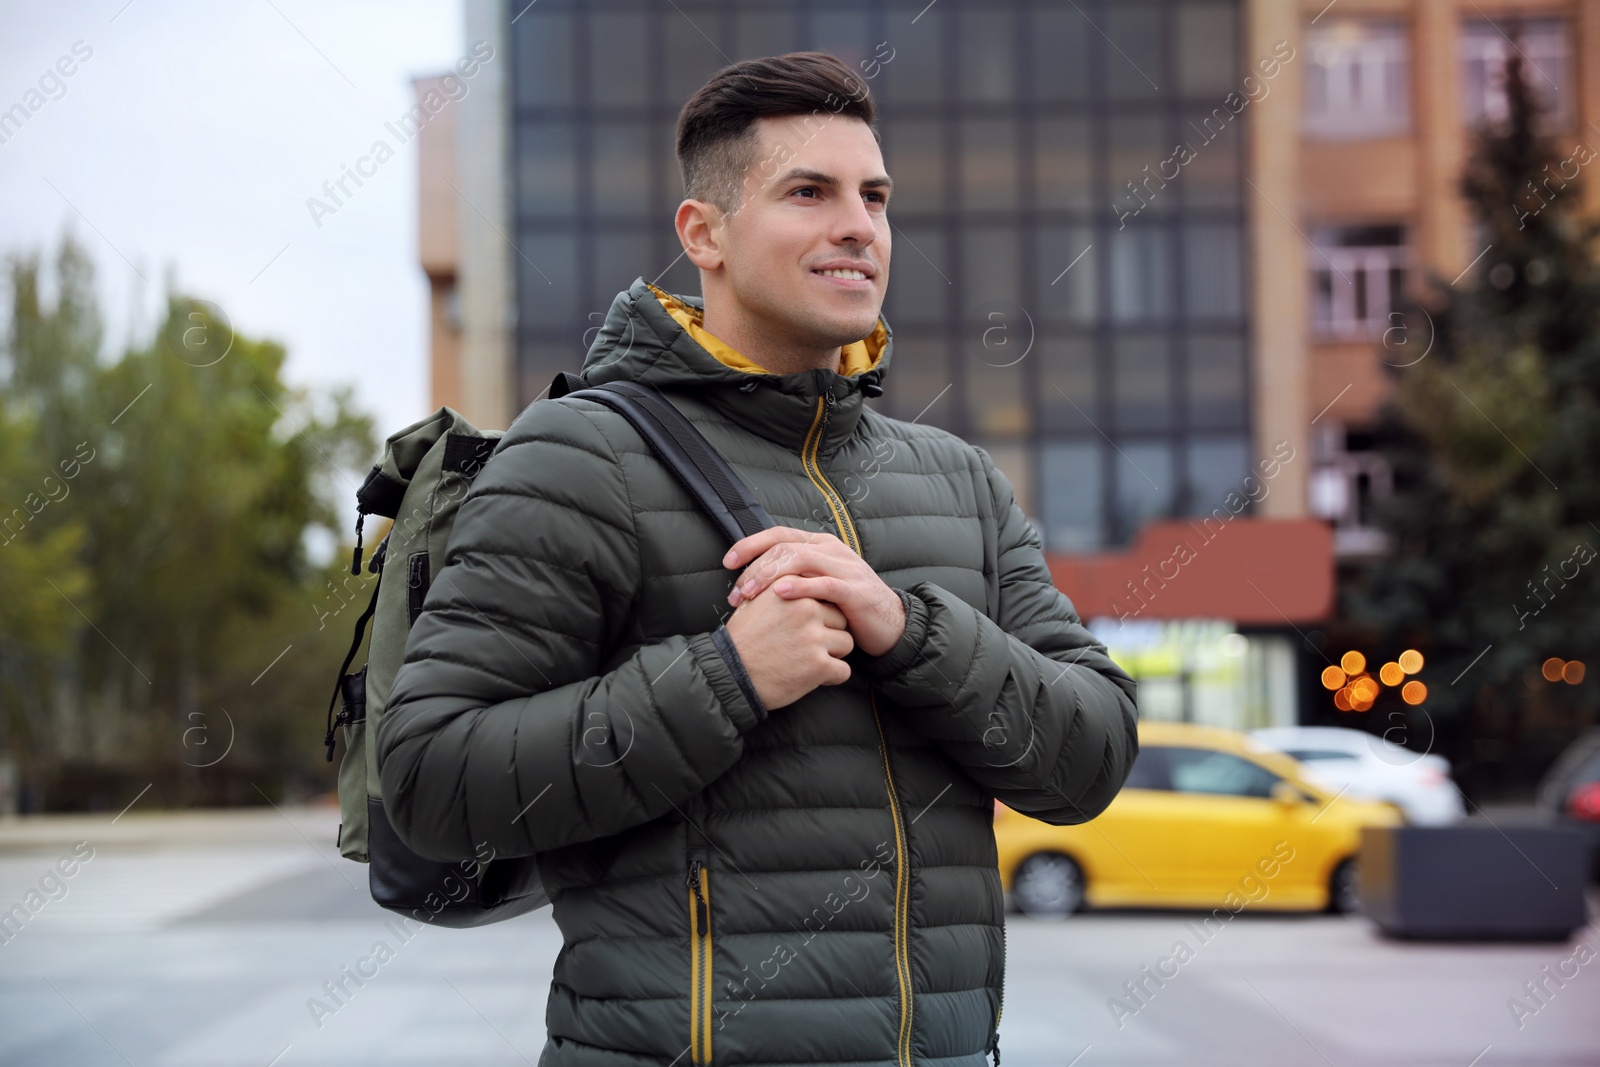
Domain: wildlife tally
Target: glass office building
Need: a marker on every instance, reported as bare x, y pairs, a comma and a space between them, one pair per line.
1068, 286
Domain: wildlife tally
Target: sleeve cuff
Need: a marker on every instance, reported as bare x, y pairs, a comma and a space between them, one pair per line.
741, 677
908, 650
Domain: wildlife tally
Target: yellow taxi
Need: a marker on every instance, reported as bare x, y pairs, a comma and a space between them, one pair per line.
1208, 819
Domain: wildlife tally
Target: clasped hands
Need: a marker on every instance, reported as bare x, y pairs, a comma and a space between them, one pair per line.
804, 601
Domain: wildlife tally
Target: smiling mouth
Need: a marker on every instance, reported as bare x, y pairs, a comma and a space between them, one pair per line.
848, 275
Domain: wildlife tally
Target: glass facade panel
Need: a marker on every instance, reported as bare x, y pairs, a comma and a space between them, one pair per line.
1214, 468
1134, 62
988, 55
1207, 39
843, 32
1013, 130
920, 285
619, 58
692, 52
547, 290
1217, 386
1072, 507
923, 386
1144, 486
1066, 274
621, 168
919, 72
997, 389
1141, 274
1060, 45
1213, 271
988, 164
989, 265
619, 257
914, 154
764, 33
1062, 166
1143, 383
547, 170
543, 53
1068, 401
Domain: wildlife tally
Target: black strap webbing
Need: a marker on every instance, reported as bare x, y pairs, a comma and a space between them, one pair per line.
700, 467
349, 657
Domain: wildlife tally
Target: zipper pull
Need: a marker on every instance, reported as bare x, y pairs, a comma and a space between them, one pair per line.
355, 557
702, 910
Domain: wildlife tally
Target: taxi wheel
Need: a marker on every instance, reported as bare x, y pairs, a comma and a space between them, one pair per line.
1048, 886
1344, 889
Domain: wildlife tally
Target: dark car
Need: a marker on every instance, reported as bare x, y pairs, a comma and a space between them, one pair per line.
1570, 791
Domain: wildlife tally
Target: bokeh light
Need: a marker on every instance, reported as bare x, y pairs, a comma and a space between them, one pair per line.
1391, 673
1414, 692
1332, 678
1552, 668
1353, 662
1411, 661
1341, 699
1364, 690
1572, 672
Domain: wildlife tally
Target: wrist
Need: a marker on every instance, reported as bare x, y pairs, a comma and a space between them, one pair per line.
908, 648
730, 654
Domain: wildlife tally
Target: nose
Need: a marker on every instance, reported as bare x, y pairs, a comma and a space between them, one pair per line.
855, 224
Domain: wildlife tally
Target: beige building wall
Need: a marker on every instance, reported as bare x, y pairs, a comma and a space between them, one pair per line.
487, 281
1278, 346
439, 246
1412, 178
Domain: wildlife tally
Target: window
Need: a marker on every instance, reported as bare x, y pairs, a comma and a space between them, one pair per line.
1202, 770
1485, 47
1356, 84
1149, 769
1216, 468
1357, 279
1144, 486
1072, 496
1308, 755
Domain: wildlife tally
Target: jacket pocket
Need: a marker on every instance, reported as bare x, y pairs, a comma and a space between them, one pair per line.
699, 882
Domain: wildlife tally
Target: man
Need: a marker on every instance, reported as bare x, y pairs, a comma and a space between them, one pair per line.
766, 834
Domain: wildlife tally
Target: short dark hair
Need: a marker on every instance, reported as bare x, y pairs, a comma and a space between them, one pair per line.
716, 128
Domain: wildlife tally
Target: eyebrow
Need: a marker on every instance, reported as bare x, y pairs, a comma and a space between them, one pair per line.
882, 181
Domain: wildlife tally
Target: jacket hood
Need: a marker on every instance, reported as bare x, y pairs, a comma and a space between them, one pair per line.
658, 338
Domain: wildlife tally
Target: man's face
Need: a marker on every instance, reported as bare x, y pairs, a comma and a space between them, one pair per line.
814, 205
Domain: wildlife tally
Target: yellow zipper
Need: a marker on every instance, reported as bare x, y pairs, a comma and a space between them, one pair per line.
902, 882
699, 963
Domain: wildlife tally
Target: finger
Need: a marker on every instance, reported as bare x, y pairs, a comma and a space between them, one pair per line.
748, 548
832, 617
838, 643
837, 672
787, 560
818, 587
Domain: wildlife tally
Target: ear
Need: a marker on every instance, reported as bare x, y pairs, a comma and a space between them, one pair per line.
701, 230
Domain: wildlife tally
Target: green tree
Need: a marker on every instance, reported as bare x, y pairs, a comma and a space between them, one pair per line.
200, 475
1494, 438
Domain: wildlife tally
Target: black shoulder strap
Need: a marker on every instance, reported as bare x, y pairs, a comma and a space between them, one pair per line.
699, 466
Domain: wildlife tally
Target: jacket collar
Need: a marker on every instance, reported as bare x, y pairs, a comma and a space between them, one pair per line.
658, 338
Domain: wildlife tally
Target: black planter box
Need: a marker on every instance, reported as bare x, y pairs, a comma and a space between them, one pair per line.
1474, 882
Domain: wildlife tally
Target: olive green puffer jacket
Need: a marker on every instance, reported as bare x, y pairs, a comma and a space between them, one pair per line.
811, 884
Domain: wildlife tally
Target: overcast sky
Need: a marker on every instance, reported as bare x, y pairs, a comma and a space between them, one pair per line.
189, 142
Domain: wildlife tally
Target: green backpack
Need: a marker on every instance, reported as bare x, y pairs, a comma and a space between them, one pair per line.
426, 472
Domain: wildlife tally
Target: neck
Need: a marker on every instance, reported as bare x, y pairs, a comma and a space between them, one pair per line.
776, 352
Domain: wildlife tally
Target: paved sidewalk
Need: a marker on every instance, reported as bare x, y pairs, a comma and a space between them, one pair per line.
206, 940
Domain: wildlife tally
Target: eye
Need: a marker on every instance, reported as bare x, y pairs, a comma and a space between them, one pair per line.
806, 189
877, 198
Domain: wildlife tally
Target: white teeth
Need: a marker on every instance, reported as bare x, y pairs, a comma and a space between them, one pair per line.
853, 274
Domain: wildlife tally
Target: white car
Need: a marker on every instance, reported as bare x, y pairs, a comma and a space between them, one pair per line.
1367, 766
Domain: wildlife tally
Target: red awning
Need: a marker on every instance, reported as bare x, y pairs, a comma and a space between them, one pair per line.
1258, 572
